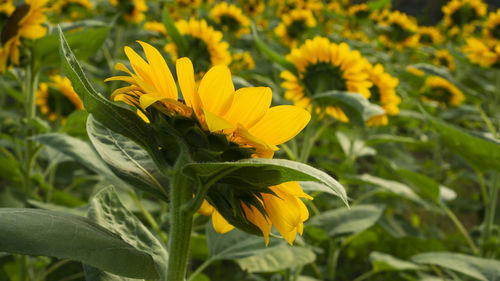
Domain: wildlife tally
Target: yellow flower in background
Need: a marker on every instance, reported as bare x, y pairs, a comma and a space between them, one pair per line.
242, 61
285, 6
491, 27
444, 58
76, 9
460, 13
359, 11
383, 93
481, 53
231, 18
134, 9
205, 45
440, 90
192, 4
325, 66
381, 15
244, 116
57, 98
429, 35
294, 24
7, 7
401, 33
253, 7
415, 71
155, 26
24, 23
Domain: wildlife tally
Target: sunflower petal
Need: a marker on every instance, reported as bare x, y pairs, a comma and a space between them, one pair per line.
217, 90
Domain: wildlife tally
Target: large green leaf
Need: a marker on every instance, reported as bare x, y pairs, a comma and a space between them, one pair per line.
478, 268
107, 210
478, 152
94, 274
127, 159
425, 186
65, 236
78, 40
265, 172
345, 222
383, 262
279, 258
355, 106
118, 119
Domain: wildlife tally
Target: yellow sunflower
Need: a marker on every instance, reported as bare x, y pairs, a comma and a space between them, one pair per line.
7, 7
253, 7
25, 22
57, 98
438, 89
444, 58
381, 15
461, 13
230, 18
485, 54
243, 116
285, 6
134, 9
324, 66
192, 4
415, 71
383, 93
294, 25
76, 9
205, 45
155, 26
359, 11
242, 61
429, 35
491, 27
401, 31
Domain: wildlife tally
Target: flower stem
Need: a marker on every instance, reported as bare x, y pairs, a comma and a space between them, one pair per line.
181, 222
460, 226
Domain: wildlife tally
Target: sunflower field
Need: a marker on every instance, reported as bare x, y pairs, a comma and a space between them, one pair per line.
280, 140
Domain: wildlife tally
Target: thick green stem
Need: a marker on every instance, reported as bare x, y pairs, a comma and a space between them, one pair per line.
181, 222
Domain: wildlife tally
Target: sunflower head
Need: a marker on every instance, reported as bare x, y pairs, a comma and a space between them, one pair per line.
204, 45
295, 24
444, 58
230, 18
57, 98
400, 31
359, 11
484, 53
253, 7
133, 10
324, 66
429, 35
383, 93
491, 27
463, 12
440, 90
76, 9
218, 124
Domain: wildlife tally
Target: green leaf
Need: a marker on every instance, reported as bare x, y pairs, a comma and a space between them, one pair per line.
425, 186
78, 40
312, 186
75, 124
277, 258
127, 159
355, 106
265, 172
94, 274
173, 32
383, 262
480, 153
277, 58
48, 233
478, 268
378, 4
107, 210
345, 222
118, 119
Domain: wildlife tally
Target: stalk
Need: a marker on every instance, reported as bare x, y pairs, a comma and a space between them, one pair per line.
181, 222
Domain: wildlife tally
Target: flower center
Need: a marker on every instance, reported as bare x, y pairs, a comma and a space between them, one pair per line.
322, 77
198, 52
296, 28
443, 61
229, 22
426, 38
464, 15
375, 96
398, 33
439, 94
362, 14
12, 26
496, 31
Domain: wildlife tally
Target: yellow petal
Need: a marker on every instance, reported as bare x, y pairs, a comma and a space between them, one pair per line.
220, 223
185, 76
249, 105
280, 124
217, 90
148, 99
206, 209
254, 216
216, 123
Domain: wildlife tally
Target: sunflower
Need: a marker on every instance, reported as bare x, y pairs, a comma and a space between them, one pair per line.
25, 22
155, 26
444, 58
294, 25
285, 6
359, 11
324, 66
7, 7
244, 117
381, 15
192, 4
491, 27
461, 13
401, 31
415, 71
134, 9
485, 53
57, 98
439, 90
429, 35
76, 9
253, 7
383, 93
242, 61
230, 18
205, 45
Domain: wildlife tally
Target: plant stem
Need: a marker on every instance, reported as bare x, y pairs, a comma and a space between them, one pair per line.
459, 226
309, 137
333, 258
181, 222
200, 269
